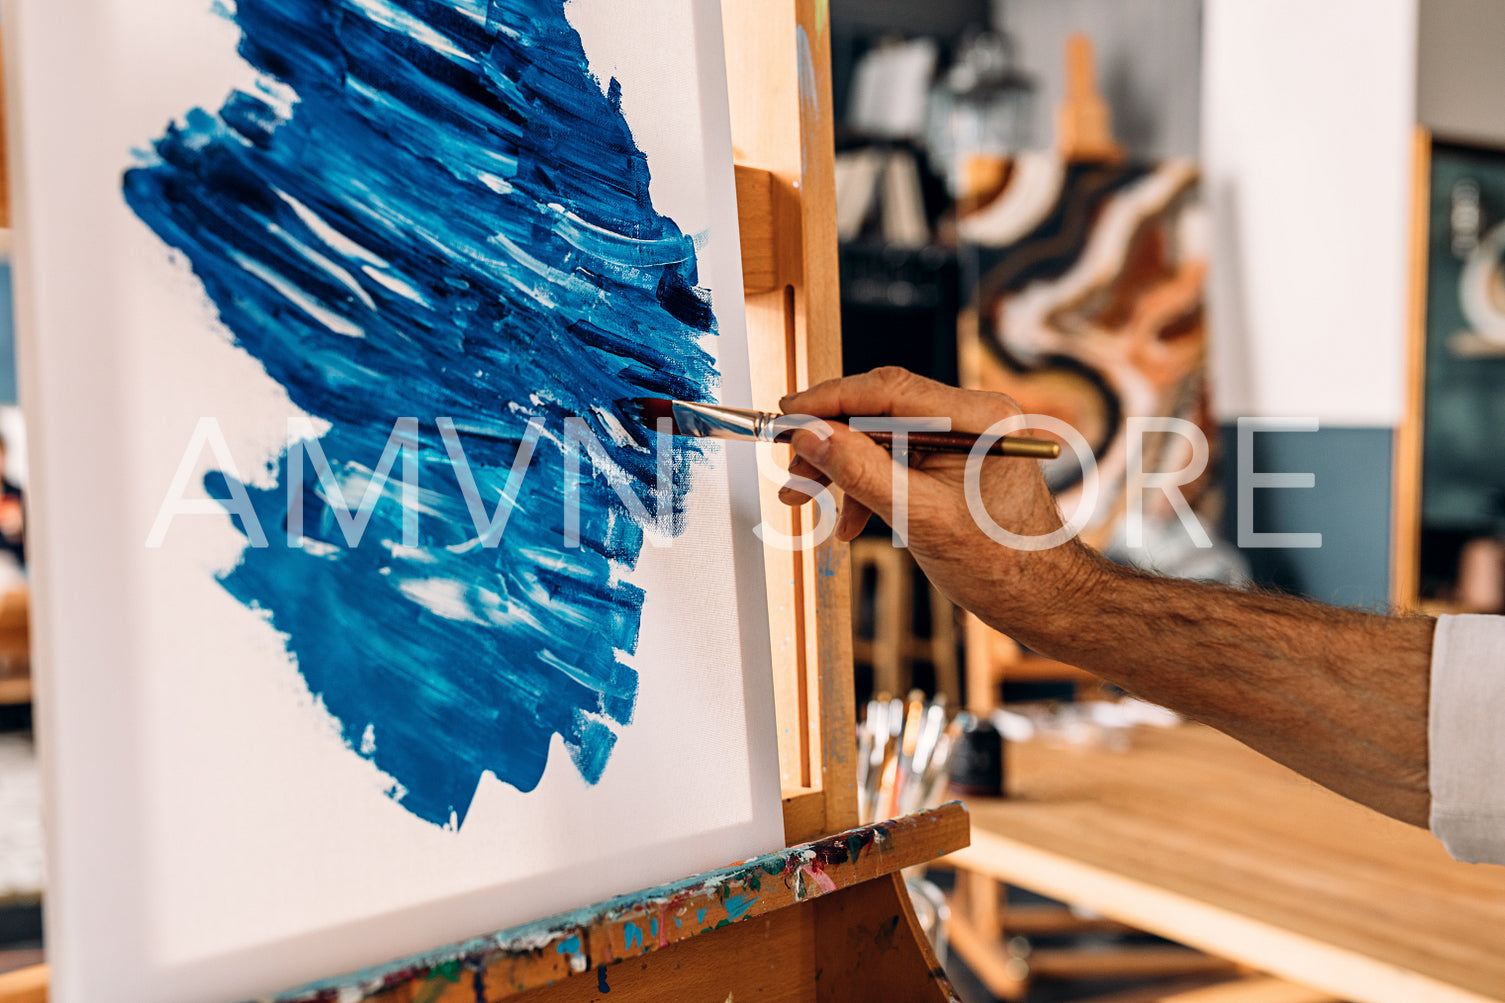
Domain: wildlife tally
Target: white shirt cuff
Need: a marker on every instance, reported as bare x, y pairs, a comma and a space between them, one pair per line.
1466, 737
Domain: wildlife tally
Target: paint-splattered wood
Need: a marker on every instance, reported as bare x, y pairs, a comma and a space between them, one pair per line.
586, 942
856, 945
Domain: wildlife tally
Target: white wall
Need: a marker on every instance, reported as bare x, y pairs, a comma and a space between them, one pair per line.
1307, 115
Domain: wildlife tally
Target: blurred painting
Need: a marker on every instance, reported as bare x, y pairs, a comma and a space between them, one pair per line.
1086, 293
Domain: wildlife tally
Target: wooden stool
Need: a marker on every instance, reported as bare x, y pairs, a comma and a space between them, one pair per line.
893, 647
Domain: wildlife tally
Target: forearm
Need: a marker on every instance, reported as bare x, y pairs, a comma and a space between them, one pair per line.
1338, 695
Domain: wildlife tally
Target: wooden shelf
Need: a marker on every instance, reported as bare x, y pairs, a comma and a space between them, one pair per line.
15, 690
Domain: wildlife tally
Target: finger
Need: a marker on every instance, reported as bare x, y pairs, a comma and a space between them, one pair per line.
799, 494
802, 468
896, 392
854, 516
854, 463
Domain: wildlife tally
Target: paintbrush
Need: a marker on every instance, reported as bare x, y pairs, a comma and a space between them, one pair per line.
925, 748
864, 756
712, 421
909, 732
875, 724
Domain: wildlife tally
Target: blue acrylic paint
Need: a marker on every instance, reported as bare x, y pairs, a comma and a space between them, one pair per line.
736, 905
570, 945
632, 936
429, 208
601, 985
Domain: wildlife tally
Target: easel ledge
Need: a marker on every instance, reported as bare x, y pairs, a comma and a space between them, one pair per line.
582, 943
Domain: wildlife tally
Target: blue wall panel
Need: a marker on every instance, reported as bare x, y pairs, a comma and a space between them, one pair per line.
1349, 506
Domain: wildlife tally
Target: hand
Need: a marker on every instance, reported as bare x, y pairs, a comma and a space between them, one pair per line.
1019, 591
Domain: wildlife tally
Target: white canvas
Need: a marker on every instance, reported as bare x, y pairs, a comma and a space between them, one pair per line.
217, 828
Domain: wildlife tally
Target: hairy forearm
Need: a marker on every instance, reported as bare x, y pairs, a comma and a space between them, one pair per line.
1338, 695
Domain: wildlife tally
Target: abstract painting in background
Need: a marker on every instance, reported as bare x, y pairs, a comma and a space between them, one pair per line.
436, 210
373, 276
1087, 305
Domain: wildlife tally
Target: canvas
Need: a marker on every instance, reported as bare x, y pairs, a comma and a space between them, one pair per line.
366, 622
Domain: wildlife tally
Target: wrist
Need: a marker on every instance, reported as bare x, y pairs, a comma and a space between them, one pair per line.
1056, 593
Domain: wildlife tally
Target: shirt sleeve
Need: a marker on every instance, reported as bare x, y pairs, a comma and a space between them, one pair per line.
1466, 737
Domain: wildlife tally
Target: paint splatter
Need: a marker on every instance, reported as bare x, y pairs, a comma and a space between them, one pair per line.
632, 937
737, 905
430, 208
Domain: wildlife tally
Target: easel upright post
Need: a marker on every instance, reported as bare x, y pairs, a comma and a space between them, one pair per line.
779, 79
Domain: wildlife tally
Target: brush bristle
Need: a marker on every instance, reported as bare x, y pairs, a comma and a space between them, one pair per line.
647, 411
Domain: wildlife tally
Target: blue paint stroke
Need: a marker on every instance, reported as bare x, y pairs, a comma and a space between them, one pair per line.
736, 905
632, 935
430, 208
570, 945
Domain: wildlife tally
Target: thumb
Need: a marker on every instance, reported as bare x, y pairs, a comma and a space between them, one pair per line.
855, 463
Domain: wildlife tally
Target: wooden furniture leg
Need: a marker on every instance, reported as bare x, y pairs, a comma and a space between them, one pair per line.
943, 647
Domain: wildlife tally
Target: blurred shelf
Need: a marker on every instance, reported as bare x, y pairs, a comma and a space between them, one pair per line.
15, 691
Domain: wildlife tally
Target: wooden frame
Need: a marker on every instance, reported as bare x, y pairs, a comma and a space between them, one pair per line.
1405, 516
1406, 531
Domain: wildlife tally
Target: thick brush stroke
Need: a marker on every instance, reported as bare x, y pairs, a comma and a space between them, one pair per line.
432, 209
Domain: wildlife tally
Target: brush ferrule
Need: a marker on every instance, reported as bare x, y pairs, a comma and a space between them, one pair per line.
712, 421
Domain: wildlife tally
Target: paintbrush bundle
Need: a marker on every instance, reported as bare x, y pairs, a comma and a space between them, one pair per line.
903, 752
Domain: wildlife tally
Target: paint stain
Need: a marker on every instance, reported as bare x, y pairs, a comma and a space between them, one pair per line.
809, 98
737, 905
601, 985
632, 936
430, 208
449, 971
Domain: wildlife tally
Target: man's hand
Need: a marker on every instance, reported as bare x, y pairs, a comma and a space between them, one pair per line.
1338, 695
1019, 591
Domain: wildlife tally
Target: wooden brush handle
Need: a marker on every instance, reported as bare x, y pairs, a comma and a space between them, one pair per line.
962, 442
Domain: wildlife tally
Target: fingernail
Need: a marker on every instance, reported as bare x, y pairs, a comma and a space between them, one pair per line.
811, 446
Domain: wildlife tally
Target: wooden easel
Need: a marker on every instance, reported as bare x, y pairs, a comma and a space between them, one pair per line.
827, 919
